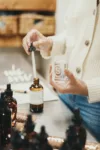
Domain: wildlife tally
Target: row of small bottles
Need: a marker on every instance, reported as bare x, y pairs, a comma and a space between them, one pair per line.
8, 112
8, 109
28, 139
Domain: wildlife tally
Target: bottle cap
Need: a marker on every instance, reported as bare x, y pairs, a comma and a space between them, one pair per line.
43, 129
32, 48
8, 91
29, 125
43, 133
77, 119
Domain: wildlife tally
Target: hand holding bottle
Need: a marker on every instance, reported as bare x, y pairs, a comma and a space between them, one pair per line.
72, 86
39, 41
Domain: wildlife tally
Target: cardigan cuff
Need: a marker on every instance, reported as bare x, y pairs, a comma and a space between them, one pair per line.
93, 91
57, 48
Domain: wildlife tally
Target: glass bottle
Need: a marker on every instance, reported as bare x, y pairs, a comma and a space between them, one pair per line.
17, 141
29, 128
80, 130
59, 66
12, 104
5, 122
36, 97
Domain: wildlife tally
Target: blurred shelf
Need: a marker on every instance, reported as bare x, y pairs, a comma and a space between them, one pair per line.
8, 25
17, 17
12, 41
36, 5
22, 24
44, 24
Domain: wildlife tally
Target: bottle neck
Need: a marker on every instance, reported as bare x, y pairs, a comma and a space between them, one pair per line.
36, 81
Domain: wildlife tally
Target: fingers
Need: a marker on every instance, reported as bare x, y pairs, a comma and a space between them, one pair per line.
44, 44
70, 76
37, 45
28, 41
62, 88
50, 69
40, 44
50, 74
31, 36
25, 46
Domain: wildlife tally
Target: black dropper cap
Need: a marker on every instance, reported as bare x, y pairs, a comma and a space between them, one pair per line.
43, 135
32, 48
43, 130
77, 119
8, 91
29, 125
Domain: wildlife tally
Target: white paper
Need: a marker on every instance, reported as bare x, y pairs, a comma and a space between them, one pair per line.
24, 98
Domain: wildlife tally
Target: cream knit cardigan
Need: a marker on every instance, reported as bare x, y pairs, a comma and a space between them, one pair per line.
80, 42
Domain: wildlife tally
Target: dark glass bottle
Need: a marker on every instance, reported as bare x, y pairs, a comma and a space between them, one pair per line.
36, 97
80, 130
28, 133
12, 104
29, 128
5, 122
43, 140
75, 134
16, 141
43, 135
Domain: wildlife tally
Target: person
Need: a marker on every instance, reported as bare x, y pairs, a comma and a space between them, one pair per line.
79, 42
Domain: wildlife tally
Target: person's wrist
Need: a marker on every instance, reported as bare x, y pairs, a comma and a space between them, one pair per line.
84, 89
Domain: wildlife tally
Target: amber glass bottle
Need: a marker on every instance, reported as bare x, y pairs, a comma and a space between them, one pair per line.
12, 104
36, 97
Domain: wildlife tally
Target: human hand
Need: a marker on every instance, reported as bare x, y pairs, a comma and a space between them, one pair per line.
71, 86
39, 41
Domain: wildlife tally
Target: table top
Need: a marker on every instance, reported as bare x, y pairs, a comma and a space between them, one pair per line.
56, 117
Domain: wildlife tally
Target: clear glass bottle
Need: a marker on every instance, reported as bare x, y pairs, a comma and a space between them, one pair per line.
12, 104
36, 97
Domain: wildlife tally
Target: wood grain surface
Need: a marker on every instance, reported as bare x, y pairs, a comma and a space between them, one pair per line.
47, 5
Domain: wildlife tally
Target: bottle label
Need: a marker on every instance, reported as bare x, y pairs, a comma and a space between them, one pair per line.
36, 97
58, 71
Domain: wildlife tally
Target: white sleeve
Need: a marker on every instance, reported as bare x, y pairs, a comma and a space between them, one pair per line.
59, 44
93, 86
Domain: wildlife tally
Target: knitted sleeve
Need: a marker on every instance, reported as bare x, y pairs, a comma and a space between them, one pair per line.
59, 44
93, 86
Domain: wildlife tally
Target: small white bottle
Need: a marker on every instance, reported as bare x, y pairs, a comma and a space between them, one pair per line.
58, 67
